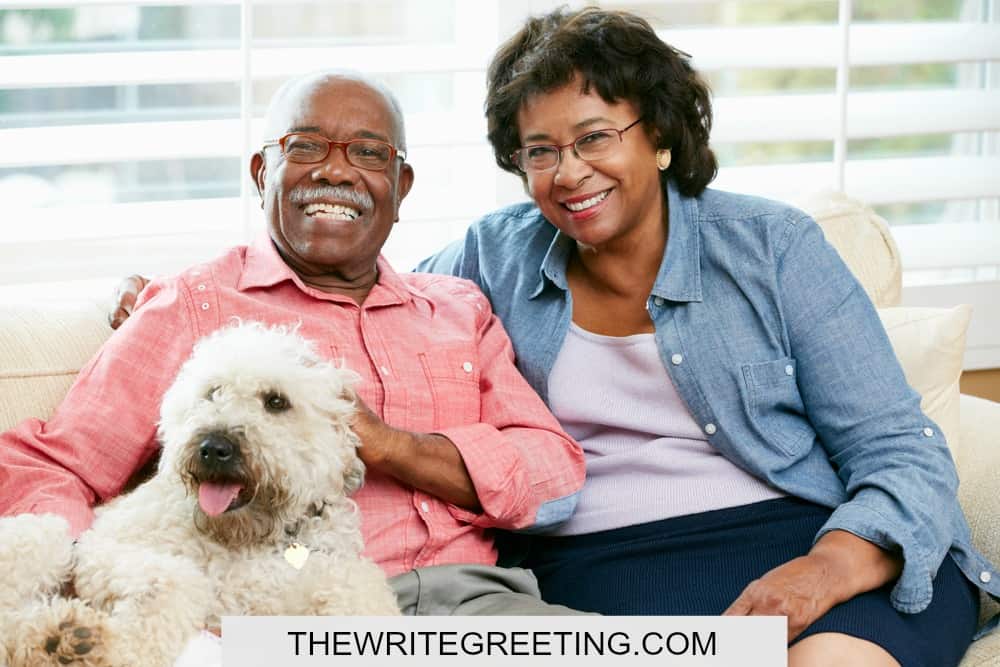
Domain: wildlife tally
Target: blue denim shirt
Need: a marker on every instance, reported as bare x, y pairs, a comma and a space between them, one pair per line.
777, 352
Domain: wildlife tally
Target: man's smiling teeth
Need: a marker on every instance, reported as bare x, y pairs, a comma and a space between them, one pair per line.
333, 210
587, 203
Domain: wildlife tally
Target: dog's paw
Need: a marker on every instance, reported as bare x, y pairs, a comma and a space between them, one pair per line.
74, 643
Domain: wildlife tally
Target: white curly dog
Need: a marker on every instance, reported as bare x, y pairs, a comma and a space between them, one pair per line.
248, 514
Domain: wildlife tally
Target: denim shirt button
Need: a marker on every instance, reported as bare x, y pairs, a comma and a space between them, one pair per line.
658, 301
677, 359
929, 432
985, 577
710, 428
789, 370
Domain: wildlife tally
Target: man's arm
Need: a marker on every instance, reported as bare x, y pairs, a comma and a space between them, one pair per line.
525, 469
514, 468
105, 428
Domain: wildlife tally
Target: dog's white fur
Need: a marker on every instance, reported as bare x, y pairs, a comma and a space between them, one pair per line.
155, 569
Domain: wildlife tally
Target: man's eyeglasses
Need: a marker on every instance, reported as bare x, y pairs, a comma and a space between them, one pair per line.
591, 146
368, 154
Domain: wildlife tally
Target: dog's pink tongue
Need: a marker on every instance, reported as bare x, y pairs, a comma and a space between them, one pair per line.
216, 498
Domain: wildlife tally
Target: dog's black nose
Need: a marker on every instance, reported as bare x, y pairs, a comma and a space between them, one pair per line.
216, 449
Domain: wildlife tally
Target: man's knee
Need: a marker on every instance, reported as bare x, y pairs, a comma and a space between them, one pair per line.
513, 604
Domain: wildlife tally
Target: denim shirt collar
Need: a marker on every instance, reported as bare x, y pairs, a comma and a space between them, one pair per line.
554, 263
679, 277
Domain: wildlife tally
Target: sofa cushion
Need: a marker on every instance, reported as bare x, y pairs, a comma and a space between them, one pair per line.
863, 240
978, 471
929, 343
42, 348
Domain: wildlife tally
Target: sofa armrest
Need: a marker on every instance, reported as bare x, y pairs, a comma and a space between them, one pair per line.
978, 473
984, 652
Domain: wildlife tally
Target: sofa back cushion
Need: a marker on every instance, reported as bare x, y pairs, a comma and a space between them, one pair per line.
42, 348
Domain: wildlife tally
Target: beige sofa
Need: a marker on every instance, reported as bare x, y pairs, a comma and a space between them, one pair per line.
42, 347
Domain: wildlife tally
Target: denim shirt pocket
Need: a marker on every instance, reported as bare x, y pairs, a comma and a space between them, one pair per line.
774, 406
452, 374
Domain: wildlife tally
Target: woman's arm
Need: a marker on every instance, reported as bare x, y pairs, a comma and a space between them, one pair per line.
900, 481
126, 296
838, 567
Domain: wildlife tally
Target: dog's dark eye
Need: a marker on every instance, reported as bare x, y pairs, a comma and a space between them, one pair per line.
274, 402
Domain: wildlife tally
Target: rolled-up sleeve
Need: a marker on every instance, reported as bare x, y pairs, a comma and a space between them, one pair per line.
892, 459
526, 470
105, 428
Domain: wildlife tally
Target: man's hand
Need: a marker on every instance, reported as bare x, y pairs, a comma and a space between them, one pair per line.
125, 298
429, 462
839, 566
378, 439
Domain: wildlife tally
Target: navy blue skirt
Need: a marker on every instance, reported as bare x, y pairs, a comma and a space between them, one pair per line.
696, 565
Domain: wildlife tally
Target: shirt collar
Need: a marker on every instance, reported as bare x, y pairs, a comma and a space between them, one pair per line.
679, 276
554, 263
264, 267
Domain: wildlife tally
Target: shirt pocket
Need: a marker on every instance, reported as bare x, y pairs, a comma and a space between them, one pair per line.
774, 405
452, 375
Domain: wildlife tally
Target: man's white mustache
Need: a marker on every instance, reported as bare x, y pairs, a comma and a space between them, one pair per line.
305, 195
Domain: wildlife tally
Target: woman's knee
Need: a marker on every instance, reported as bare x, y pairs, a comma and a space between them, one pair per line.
833, 649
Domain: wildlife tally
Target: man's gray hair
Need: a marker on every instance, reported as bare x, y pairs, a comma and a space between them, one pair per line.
273, 124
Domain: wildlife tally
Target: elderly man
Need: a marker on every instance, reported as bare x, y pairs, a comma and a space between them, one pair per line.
454, 440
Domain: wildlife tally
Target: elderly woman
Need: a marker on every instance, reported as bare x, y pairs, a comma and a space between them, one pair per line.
752, 445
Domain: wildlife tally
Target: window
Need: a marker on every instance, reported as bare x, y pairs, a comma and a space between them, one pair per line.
126, 126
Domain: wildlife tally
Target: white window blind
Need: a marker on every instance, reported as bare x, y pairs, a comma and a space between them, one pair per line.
125, 126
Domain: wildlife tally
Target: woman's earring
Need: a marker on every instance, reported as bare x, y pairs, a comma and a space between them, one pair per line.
663, 159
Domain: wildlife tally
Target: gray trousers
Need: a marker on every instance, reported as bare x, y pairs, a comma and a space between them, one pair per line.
472, 590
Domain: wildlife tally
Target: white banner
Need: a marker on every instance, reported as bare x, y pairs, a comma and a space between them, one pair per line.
608, 641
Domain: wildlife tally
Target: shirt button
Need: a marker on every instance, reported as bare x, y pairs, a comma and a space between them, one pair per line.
676, 359
201, 288
424, 506
985, 577
929, 432
385, 371
204, 306
710, 428
789, 370
657, 301
467, 367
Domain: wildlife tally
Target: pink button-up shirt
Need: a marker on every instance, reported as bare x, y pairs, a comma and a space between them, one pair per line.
432, 357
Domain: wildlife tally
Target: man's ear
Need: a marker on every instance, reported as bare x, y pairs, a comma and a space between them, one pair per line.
258, 171
403, 186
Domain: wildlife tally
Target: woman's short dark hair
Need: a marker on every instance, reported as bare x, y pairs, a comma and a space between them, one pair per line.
620, 56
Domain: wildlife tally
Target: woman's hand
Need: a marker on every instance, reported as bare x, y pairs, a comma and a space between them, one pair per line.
838, 567
125, 298
801, 589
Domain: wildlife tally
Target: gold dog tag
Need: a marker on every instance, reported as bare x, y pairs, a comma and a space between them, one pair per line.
296, 555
